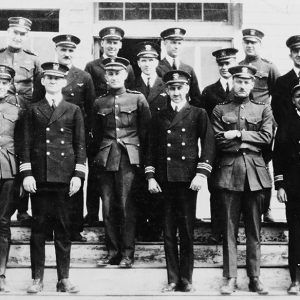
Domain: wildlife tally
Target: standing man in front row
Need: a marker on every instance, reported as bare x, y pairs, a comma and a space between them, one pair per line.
242, 128
174, 168
120, 122
52, 172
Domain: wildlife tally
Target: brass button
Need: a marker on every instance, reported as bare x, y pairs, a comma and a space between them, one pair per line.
183, 143
62, 130
62, 142
62, 154
47, 141
47, 129
169, 145
168, 158
169, 131
48, 153
183, 157
183, 129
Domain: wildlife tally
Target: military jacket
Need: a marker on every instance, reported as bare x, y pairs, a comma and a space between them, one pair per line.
265, 78
172, 150
54, 143
27, 68
119, 124
11, 112
241, 158
194, 93
97, 71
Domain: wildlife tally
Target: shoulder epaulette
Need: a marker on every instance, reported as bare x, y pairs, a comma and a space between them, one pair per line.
265, 60
103, 95
163, 94
29, 52
225, 102
257, 102
133, 92
2, 49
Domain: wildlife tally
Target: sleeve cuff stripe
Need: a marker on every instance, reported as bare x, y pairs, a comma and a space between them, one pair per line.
278, 178
25, 167
205, 166
80, 168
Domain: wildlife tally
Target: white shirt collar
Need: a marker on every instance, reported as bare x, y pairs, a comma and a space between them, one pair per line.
224, 82
171, 59
57, 99
104, 55
179, 105
296, 70
152, 78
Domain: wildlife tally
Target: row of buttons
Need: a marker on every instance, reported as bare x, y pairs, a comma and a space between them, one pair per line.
62, 142
182, 157
182, 144
62, 154
48, 129
169, 131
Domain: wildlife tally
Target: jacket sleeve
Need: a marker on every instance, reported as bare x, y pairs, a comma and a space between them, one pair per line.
279, 162
195, 93
278, 102
130, 81
207, 140
90, 97
273, 75
79, 144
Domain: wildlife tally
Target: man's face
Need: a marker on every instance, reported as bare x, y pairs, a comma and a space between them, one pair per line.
173, 47
295, 56
178, 92
251, 47
242, 86
64, 55
296, 99
53, 84
111, 47
116, 78
224, 66
4, 86
16, 38
148, 65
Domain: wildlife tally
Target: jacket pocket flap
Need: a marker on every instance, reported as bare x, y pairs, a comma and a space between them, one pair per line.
229, 119
128, 109
105, 143
253, 120
12, 118
104, 111
261, 74
259, 162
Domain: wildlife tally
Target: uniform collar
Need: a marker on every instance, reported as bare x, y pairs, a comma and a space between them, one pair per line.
14, 50
57, 99
171, 60
224, 81
151, 76
179, 105
119, 91
296, 70
250, 59
239, 100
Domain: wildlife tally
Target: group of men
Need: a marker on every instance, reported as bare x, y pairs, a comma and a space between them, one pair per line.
142, 129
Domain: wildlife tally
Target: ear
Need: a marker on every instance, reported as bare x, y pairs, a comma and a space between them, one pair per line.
43, 81
167, 91
64, 82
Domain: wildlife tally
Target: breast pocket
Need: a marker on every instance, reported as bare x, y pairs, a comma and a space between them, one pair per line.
105, 115
261, 80
26, 71
128, 115
229, 122
253, 123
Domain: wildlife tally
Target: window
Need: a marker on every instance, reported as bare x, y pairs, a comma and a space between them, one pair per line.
42, 20
177, 11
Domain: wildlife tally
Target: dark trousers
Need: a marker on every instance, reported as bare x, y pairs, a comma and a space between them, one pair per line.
216, 213
8, 206
50, 202
76, 211
119, 208
293, 221
179, 214
251, 205
93, 193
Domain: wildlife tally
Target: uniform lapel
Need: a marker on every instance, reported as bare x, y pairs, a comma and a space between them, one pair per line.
45, 108
58, 112
180, 115
71, 75
220, 91
156, 89
140, 85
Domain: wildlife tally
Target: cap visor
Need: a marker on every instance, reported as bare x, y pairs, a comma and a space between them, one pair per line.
54, 73
251, 38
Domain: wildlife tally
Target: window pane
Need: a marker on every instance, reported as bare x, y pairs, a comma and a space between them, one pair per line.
136, 11
190, 11
111, 11
164, 11
217, 12
42, 20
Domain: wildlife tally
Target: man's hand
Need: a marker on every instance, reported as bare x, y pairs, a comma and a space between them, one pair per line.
75, 185
231, 134
198, 182
153, 186
29, 184
281, 195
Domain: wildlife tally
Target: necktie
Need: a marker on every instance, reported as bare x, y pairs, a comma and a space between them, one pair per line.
53, 106
174, 67
227, 88
148, 86
176, 109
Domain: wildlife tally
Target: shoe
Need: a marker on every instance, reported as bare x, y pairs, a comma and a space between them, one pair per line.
126, 263
109, 260
170, 287
77, 237
187, 288
293, 288
91, 220
268, 218
65, 286
36, 287
3, 285
24, 217
229, 287
256, 286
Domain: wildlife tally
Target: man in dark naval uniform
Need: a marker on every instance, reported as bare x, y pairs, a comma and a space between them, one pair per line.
242, 128
27, 68
212, 95
119, 128
265, 78
52, 164
111, 42
10, 114
286, 160
174, 168
172, 40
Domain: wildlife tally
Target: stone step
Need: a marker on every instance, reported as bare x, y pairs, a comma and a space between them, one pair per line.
141, 283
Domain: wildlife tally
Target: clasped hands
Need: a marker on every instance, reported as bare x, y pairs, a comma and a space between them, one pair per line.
232, 134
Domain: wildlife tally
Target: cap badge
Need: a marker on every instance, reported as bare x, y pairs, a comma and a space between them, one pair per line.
244, 70
112, 31
112, 60
177, 31
175, 76
252, 32
223, 53
2, 69
148, 47
68, 37
22, 22
55, 67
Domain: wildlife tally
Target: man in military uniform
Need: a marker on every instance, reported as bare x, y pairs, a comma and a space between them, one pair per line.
27, 68
10, 114
174, 168
212, 95
172, 40
242, 128
149, 213
282, 99
120, 122
265, 78
286, 161
111, 42
52, 164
